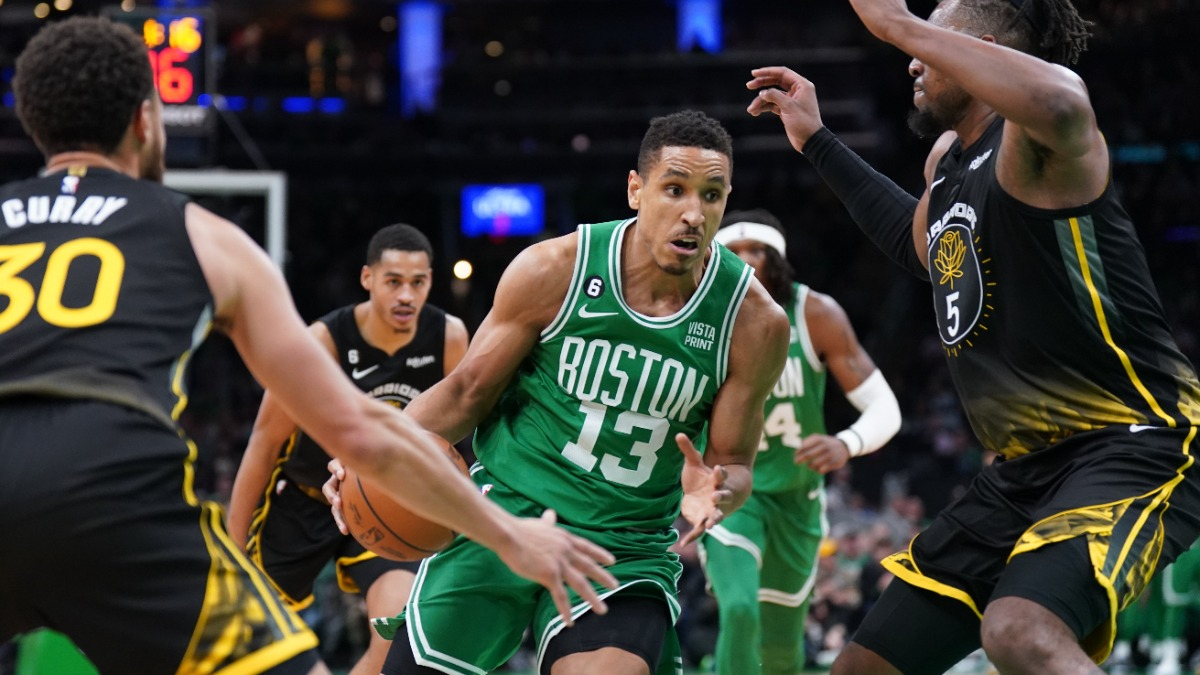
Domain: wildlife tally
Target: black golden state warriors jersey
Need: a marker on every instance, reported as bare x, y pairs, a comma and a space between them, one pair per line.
101, 294
1049, 318
396, 379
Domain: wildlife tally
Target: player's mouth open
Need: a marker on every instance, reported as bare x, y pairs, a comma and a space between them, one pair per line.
685, 245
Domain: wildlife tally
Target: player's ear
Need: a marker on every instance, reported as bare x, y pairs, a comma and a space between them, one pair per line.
634, 190
364, 277
142, 121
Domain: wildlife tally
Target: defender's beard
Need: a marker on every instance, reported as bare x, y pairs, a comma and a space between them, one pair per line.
925, 125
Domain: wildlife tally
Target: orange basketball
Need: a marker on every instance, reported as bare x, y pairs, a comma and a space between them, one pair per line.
388, 529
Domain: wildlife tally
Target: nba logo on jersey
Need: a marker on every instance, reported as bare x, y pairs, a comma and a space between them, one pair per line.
70, 184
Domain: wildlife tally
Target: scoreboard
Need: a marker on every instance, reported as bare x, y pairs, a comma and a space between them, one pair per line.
179, 46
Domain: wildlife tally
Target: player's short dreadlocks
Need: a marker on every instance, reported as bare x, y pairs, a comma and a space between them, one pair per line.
1048, 29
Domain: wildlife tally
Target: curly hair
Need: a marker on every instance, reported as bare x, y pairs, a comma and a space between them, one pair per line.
1051, 30
79, 82
398, 237
777, 274
686, 129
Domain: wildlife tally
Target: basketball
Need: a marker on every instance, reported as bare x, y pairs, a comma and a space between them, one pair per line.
386, 528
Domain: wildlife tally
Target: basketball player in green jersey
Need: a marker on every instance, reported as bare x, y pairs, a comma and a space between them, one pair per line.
393, 345
605, 349
761, 561
111, 281
1054, 336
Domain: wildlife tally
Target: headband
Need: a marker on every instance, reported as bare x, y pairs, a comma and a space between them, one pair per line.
763, 234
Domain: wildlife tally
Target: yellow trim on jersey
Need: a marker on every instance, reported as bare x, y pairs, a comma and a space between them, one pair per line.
181, 397
272, 655
278, 613
189, 462
1098, 644
199, 333
212, 591
1097, 305
254, 547
259, 518
189, 473
344, 581
904, 566
226, 575
1097, 526
1137, 528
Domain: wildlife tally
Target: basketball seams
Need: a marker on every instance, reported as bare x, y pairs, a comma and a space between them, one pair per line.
383, 524
387, 527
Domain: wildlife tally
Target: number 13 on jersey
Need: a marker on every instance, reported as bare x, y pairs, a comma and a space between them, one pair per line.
582, 452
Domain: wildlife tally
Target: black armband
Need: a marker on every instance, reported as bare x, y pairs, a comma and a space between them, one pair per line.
882, 210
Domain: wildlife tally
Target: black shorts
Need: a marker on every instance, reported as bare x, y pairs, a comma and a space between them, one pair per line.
293, 537
105, 541
634, 623
921, 632
1133, 495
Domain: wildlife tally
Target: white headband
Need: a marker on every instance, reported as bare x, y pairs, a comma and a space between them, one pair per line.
764, 234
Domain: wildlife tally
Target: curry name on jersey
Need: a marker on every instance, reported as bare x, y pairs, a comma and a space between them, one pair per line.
1049, 318
101, 294
587, 425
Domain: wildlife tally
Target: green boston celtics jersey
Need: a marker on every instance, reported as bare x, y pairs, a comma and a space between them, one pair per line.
795, 409
587, 426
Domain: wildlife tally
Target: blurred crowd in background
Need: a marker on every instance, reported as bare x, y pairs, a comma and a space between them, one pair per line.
559, 94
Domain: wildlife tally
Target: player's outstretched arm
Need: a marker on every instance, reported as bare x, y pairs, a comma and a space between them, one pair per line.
836, 344
271, 430
1049, 101
883, 210
1052, 154
721, 483
386, 448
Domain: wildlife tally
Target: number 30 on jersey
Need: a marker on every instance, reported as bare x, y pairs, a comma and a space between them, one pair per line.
47, 297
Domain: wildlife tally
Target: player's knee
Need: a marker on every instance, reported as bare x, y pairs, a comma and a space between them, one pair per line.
1009, 637
854, 659
740, 614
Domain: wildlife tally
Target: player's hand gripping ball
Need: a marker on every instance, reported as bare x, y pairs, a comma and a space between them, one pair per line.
388, 529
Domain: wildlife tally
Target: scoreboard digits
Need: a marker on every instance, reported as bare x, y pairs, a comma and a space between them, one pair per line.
177, 45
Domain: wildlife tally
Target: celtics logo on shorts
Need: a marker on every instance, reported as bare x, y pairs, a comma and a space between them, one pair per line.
954, 269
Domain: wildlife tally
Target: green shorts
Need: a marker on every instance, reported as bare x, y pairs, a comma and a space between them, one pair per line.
468, 611
782, 532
